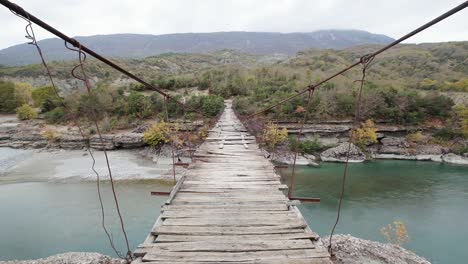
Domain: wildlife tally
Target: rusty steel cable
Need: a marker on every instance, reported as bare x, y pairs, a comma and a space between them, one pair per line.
85, 80
30, 35
293, 173
374, 54
366, 60
166, 117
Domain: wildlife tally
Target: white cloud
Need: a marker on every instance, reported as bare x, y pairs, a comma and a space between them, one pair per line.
91, 17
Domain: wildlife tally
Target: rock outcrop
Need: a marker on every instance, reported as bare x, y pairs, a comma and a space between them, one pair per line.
338, 153
352, 250
71, 258
454, 159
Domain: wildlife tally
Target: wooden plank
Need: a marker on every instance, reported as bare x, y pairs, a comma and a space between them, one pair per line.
154, 255
231, 246
262, 237
207, 230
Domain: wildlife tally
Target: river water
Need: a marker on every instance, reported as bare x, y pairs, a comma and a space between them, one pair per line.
46, 208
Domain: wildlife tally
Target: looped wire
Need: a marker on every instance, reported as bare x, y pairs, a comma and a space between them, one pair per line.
365, 62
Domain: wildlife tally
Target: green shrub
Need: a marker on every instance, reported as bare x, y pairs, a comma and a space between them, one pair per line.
57, 115
306, 146
26, 112
212, 105
45, 98
447, 133
8, 100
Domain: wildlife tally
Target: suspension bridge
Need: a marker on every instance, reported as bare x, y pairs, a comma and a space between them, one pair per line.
230, 207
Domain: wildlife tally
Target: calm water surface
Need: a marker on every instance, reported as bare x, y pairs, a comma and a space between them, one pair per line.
430, 198
40, 217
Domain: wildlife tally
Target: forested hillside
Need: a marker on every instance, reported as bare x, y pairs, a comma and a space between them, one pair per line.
406, 85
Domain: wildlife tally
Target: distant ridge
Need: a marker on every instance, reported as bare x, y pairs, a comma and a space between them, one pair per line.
141, 45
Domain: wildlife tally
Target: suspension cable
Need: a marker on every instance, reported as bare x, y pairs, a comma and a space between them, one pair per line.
366, 60
84, 78
30, 35
306, 114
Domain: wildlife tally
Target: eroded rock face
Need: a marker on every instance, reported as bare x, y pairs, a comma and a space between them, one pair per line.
71, 258
454, 159
338, 153
106, 144
353, 250
129, 140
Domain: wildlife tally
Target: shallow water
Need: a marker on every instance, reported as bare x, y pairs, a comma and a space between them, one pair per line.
430, 198
42, 216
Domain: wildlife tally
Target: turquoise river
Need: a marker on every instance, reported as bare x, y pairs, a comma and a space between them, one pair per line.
42, 217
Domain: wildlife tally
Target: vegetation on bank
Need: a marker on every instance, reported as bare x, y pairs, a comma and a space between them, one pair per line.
407, 85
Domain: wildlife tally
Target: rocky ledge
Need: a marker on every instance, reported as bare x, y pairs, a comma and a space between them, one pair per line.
353, 250
70, 258
339, 153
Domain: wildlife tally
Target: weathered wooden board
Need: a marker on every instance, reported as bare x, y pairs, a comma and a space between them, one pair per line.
230, 207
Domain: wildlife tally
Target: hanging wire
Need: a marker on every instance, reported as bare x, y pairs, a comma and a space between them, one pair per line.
172, 139
30, 35
84, 78
365, 62
304, 120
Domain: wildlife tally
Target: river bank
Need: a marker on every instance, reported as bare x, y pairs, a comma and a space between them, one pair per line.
393, 142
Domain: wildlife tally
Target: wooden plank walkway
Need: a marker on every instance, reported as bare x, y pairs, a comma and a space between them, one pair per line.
230, 208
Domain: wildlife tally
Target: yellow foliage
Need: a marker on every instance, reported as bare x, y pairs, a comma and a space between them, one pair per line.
417, 137
395, 233
49, 134
26, 112
272, 135
364, 135
160, 133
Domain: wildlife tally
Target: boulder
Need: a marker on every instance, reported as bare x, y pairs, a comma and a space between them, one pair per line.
338, 153
353, 250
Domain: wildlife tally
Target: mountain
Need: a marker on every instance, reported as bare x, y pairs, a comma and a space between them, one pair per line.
139, 45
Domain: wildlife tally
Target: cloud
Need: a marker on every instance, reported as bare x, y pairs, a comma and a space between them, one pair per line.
89, 17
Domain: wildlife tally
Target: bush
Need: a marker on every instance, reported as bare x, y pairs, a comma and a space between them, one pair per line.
26, 112
305, 146
45, 98
50, 135
272, 135
446, 134
212, 105
8, 101
158, 134
365, 135
57, 115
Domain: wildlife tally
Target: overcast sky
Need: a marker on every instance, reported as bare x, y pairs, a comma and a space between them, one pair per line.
90, 17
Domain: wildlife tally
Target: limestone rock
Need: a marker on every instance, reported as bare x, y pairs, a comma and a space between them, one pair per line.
353, 250
454, 159
71, 258
338, 153
106, 144
71, 141
129, 140
394, 141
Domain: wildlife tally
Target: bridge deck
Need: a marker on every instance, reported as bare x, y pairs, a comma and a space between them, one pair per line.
230, 207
